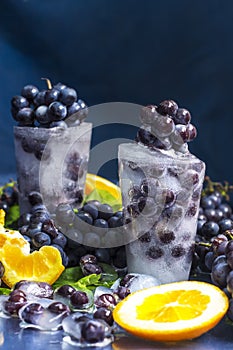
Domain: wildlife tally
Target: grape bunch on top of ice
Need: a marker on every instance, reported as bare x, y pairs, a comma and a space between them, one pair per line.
56, 106
166, 127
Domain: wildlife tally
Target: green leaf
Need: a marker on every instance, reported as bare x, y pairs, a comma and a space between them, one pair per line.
69, 276
5, 291
12, 216
74, 277
104, 197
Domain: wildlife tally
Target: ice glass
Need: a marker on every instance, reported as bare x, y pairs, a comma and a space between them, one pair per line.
52, 161
161, 194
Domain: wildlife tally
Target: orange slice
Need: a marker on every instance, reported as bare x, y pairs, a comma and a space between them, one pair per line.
42, 265
11, 236
171, 312
97, 182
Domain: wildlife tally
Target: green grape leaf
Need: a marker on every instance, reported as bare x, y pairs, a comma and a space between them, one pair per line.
104, 197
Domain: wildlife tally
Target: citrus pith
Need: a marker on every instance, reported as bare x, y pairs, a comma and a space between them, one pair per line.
171, 312
42, 265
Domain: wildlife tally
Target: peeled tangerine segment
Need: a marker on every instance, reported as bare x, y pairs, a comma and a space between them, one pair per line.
174, 311
42, 265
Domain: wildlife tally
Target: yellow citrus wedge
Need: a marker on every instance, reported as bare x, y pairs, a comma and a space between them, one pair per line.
12, 236
97, 182
171, 312
42, 265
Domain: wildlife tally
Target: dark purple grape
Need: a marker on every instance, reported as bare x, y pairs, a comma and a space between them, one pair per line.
91, 209
230, 282
119, 259
59, 86
219, 274
230, 310
42, 115
126, 280
182, 116
17, 295
105, 314
66, 290
135, 192
51, 96
209, 258
122, 292
211, 214
59, 308
105, 211
32, 312
182, 132
41, 239
49, 227
145, 238
167, 107
114, 221
145, 137
89, 269
103, 255
229, 247
86, 217
192, 132
29, 92
149, 186
40, 98
154, 253
25, 116
19, 102
210, 229
207, 203
93, 331
34, 198
229, 257
68, 96
166, 236
57, 111
177, 251
225, 224
12, 307
88, 258
78, 299
106, 300
60, 240
216, 199
226, 209
100, 223
74, 108
133, 209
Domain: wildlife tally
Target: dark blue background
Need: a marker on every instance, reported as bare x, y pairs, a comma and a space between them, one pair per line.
130, 51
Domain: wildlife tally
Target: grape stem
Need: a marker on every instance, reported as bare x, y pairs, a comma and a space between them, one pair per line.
204, 244
48, 81
222, 188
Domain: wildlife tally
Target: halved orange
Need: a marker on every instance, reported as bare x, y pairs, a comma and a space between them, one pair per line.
97, 182
42, 265
171, 312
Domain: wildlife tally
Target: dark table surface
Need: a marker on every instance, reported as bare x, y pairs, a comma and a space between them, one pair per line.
13, 337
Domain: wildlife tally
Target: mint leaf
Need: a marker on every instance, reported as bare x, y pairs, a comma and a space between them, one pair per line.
5, 291
12, 215
75, 278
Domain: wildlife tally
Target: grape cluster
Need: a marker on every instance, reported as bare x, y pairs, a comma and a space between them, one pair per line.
166, 126
39, 228
58, 105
